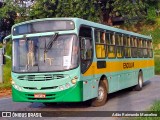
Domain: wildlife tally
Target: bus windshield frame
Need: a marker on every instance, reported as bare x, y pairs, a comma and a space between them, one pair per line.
30, 55
43, 26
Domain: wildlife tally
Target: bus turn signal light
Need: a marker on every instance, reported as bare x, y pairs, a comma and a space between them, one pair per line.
74, 80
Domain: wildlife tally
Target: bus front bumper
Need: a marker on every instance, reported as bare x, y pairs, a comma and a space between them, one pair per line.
73, 94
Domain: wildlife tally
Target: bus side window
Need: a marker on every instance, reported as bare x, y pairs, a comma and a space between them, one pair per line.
119, 45
86, 47
140, 47
127, 48
150, 49
100, 39
134, 47
145, 53
111, 46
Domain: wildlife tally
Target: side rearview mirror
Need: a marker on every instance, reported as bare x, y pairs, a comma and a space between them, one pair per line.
7, 38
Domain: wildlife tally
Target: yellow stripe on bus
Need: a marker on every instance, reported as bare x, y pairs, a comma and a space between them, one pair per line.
117, 66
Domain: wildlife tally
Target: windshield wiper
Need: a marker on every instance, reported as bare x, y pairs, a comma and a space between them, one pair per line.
25, 38
49, 45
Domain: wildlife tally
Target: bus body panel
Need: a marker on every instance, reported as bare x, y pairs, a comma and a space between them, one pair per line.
73, 94
120, 73
49, 87
120, 78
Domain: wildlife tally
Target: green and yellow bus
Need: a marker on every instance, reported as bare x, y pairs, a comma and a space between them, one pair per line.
73, 60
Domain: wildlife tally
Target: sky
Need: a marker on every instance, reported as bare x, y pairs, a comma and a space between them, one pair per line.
27, 2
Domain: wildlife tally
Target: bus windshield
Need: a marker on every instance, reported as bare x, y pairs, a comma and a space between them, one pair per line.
32, 54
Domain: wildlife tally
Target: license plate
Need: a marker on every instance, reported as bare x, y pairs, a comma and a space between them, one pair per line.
39, 95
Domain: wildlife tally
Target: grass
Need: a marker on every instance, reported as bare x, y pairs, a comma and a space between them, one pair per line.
157, 65
156, 106
157, 52
154, 109
6, 75
7, 69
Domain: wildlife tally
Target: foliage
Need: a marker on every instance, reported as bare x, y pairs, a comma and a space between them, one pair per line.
10, 13
7, 68
93, 10
154, 32
156, 106
71, 8
7, 73
151, 15
8, 10
157, 64
7, 15
131, 11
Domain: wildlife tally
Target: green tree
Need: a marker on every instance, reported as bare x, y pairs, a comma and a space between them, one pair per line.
23, 9
12, 11
130, 10
102, 11
85, 9
153, 8
7, 15
96, 10
7, 10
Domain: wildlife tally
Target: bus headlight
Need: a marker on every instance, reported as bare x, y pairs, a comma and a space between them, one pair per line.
12, 82
17, 87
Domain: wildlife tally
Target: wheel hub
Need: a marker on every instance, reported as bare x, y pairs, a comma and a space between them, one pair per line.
100, 94
140, 81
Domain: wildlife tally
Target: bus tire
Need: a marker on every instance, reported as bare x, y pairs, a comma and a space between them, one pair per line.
102, 95
140, 82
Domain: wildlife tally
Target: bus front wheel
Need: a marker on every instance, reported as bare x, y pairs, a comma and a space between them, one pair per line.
140, 82
102, 95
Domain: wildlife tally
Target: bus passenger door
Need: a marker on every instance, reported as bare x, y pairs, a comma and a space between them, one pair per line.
87, 68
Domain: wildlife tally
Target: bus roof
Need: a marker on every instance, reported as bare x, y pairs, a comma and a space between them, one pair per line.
79, 22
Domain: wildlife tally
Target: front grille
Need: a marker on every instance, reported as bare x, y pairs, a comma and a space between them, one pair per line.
43, 88
46, 88
58, 76
41, 77
30, 88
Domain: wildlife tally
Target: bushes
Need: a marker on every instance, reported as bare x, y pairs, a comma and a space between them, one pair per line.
151, 15
157, 64
7, 68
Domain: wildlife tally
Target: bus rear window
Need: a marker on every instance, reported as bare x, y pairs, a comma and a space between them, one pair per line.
43, 26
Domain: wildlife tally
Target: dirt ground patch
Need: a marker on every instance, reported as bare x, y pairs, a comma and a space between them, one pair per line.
5, 93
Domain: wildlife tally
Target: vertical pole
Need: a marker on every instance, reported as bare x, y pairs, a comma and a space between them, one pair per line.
1, 65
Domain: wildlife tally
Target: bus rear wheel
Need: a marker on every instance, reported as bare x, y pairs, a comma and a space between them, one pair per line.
102, 95
140, 82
